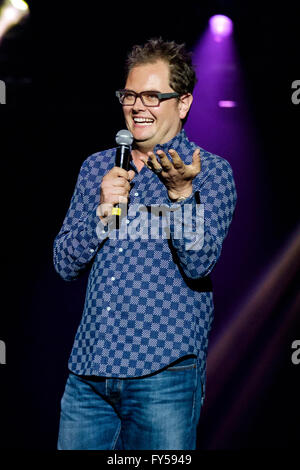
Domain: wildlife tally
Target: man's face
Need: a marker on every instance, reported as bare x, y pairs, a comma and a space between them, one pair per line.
152, 125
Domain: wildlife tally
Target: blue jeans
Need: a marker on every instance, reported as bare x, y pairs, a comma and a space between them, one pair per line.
159, 411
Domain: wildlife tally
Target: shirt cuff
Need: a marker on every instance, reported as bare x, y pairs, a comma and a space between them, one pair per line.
188, 200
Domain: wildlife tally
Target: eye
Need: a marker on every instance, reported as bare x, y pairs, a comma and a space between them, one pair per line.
128, 97
150, 96
150, 99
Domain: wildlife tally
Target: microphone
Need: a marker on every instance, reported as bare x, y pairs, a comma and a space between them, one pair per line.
124, 139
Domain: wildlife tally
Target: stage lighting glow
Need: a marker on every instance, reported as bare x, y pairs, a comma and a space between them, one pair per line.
221, 26
11, 13
19, 4
227, 104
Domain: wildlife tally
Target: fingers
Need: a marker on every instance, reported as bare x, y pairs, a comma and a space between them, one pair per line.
196, 160
152, 162
121, 173
117, 171
177, 162
120, 182
115, 186
190, 170
104, 210
118, 176
164, 161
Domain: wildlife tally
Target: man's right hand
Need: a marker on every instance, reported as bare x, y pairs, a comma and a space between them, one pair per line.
114, 189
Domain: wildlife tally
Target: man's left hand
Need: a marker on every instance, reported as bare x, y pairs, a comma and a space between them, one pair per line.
175, 175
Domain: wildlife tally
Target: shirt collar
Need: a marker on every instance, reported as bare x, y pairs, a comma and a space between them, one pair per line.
175, 143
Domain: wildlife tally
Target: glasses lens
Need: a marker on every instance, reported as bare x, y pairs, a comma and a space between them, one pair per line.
127, 98
150, 99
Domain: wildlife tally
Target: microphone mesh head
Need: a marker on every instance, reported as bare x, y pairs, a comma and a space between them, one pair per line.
124, 137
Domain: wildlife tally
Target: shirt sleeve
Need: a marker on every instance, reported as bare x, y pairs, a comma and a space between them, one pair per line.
80, 236
201, 222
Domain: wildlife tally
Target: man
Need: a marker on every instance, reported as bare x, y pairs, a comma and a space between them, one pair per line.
138, 363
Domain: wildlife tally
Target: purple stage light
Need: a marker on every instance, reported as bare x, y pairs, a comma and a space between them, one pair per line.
221, 26
227, 104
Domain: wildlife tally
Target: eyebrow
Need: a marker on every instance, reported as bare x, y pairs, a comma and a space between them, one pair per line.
144, 91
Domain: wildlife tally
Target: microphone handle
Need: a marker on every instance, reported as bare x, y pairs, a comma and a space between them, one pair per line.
123, 156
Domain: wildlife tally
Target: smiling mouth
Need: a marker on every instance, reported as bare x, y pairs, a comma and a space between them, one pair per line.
143, 121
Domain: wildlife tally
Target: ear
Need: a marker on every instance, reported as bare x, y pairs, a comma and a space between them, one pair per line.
185, 102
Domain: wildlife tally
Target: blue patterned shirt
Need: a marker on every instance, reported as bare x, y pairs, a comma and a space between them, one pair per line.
149, 298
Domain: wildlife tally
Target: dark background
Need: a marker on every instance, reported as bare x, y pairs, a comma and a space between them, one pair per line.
61, 67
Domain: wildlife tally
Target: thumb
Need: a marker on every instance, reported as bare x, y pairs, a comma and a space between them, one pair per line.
131, 174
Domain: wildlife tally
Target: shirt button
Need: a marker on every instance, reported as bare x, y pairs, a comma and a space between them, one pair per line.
108, 309
120, 250
127, 221
136, 194
91, 250
113, 278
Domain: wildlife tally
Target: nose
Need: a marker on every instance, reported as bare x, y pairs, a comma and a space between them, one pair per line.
138, 105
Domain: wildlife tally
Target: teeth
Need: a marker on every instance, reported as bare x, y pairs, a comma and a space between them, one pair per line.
142, 120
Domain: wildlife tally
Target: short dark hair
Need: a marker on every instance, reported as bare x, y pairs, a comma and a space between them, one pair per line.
182, 73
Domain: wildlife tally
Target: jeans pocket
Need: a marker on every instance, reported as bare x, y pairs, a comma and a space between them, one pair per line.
184, 364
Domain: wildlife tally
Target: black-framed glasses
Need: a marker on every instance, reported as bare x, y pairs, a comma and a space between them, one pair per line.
148, 98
